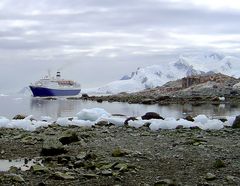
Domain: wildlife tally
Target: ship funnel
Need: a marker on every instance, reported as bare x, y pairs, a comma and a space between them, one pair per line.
58, 75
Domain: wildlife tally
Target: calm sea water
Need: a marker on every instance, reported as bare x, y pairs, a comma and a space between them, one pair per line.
12, 105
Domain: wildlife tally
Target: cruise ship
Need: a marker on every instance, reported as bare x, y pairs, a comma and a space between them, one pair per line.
55, 86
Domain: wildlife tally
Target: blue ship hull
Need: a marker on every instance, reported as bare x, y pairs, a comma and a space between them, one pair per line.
48, 92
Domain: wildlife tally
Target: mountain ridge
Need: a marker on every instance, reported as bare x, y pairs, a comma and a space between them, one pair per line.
159, 74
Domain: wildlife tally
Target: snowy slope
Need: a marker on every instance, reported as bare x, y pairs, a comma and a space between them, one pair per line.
148, 77
185, 65
228, 65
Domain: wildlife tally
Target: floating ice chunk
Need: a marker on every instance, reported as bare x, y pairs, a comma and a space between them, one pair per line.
186, 123
230, 120
213, 124
201, 119
118, 121
92, 114
136, 123
22, 124
4, 122
37, 124
204, 123
63, 121
168, 123
81, 123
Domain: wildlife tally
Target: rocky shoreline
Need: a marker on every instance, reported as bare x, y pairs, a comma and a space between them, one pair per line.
106, 154
145, 98
221, 90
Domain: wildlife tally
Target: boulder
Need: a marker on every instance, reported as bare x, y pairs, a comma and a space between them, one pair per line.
19, 116
148, 101
166, 182
121, 167
99, 100
210, 177
14, 177
219, 163
85, 96
196, 98
37, 169
118, 152
63, 176
68, 137
152, 115
163, 98
102, 123
52, 147
107, 173
236, 123
189, 118
215, 99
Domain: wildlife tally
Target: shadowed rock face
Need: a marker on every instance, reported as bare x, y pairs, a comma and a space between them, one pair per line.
236, 123
152, 115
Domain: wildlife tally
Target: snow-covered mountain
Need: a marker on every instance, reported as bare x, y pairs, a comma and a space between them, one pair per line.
215, 62
185, 65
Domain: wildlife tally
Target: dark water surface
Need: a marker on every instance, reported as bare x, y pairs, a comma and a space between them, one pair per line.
12, 105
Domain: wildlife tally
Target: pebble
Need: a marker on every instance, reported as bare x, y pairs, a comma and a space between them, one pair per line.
210, 177
107, 172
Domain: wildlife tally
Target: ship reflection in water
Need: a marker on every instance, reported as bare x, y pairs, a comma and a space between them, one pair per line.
53, 107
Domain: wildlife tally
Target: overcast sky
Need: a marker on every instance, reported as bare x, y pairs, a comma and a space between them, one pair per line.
97, 41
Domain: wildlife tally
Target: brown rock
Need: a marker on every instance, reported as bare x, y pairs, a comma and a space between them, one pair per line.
152, 115
236, 123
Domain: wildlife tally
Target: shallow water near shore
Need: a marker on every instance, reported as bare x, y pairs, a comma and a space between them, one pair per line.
62, 107
22, 164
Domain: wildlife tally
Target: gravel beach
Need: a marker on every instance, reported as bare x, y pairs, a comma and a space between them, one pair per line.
109, 155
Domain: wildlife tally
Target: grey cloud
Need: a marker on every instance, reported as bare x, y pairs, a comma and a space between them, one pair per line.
135, 32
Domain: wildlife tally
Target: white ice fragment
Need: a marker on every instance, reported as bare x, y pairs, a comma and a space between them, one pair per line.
186, 123
92, 114
37, 124
213, 124
63, 121
230, 120
82, 123
136, 123
221, 98
168, 123
22, 124
4, 122
118, 121
201, 119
